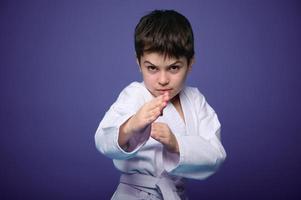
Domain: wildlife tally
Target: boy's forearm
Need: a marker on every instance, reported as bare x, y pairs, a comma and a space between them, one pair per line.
125, 133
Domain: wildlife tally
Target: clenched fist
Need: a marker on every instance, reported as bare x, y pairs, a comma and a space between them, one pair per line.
162, 133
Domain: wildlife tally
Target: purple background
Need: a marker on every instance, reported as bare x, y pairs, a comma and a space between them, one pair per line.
64, 62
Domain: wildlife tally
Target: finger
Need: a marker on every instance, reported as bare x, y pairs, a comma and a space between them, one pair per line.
155, 113
160, 126
157, 102
165, 99
162, 107
163, 140
160, 139
154, 128
158, 135
154, 134
166, 96
152, 118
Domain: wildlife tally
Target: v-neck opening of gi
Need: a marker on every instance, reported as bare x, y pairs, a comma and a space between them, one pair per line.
183, 121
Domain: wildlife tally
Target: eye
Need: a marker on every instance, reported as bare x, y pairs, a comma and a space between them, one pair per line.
152, 68
174, 68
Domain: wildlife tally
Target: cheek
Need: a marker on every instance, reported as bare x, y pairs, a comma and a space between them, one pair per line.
149, 81
180, 79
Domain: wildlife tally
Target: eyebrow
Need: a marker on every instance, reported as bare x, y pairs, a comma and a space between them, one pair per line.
176, 62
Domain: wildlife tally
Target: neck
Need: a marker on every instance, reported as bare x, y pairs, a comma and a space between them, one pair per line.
175, 99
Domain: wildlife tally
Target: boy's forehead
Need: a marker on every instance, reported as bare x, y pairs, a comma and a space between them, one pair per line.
161, 59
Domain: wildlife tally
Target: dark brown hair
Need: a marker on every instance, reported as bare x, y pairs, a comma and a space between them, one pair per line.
166, 32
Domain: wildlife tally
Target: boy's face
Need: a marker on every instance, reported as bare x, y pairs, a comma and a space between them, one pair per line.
162, 73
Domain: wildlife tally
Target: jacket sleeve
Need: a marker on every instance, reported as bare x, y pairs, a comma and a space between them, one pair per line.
201, 151
106, 137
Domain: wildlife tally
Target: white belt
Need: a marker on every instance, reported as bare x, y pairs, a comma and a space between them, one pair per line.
165, 185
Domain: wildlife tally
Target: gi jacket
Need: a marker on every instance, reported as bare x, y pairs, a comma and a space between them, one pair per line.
201, 151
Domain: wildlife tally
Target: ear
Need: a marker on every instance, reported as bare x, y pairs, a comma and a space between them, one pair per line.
192, 61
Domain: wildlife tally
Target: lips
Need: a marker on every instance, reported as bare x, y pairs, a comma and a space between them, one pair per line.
164, 90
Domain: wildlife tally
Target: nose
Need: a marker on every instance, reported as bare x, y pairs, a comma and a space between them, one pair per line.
163, 79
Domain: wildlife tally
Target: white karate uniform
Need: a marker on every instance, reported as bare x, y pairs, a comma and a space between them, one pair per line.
201, 151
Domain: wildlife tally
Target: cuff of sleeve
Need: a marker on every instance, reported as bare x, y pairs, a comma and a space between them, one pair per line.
139, 139
172, 161
136, 142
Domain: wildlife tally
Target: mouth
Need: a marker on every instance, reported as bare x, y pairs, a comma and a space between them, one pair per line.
162, 91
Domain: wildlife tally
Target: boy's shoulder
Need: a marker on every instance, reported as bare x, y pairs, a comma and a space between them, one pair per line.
192, 92
135, 84
135, 90
134, 87
195, 97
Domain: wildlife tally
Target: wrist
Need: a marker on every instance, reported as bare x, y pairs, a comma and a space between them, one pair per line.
125, 132
174, 148
129, 127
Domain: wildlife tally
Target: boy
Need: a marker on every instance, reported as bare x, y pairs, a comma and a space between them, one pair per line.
160, 131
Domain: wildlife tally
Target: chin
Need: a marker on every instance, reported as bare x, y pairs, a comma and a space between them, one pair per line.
173, 96
154, 93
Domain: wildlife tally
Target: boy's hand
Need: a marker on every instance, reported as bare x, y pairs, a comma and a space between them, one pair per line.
162, 133
148, 113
